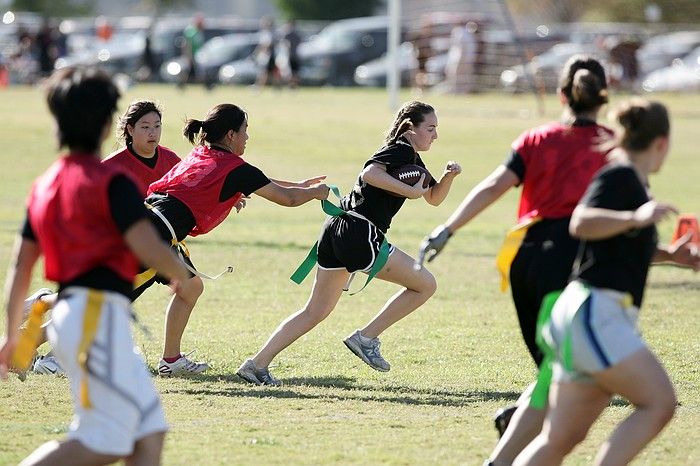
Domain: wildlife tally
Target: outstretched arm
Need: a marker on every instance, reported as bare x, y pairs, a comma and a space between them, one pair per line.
681, 252
595, 223
292, 196
307, 183
481, 196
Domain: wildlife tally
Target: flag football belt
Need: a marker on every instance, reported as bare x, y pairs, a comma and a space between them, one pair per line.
312, 258
545, 341
29, 336
179, 245
509, 249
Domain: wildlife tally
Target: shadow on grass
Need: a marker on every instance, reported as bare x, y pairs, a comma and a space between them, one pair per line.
343, 388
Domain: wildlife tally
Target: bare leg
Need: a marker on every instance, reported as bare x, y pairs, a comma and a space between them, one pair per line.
67, 452
177, 315
419, 287
573, 407
326, 291
147, 451
644, 382
524, 426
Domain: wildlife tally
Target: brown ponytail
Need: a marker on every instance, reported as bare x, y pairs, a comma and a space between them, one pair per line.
642, 122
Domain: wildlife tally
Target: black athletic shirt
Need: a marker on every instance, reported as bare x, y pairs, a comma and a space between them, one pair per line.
150, 162
377, 205
126, 206
621, 262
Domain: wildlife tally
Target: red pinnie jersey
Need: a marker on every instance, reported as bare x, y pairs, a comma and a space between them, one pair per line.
142, 174
560, 161
70, 215
197, 181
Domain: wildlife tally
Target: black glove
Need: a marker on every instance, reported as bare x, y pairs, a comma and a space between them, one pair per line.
432, 245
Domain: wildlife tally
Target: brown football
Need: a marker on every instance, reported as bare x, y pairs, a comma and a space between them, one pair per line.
410, 174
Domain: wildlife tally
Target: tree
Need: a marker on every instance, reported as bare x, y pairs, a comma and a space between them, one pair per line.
326, 9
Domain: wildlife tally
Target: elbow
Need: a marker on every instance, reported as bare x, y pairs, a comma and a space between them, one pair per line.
575, 228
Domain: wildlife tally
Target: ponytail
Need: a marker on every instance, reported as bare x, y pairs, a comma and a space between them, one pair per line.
584, 84
192, 129
642, 122
219, 120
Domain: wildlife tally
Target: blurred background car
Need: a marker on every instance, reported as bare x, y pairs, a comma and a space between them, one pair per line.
211, 57
332, 56
660, 51
683, 75
545, 68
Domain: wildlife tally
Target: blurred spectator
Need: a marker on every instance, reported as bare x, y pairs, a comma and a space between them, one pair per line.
461, 58
194, 39
46, 42
103, 29
4, 74
148, 60
288, 58
623, 53
422, 50
265, 53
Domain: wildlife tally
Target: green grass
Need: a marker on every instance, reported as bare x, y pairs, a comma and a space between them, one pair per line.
454, 361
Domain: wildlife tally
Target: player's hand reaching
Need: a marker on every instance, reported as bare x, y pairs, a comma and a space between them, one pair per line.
7, 347
432, 245
307, 183
241, 204
321, 191
652, 212
684, 252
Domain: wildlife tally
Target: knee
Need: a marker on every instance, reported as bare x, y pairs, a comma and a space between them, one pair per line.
664, 408
196, 288
428, 284
314, 314
564, 440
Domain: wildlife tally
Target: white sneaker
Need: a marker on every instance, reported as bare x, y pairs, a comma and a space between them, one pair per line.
34, 297
47, 365
182, 366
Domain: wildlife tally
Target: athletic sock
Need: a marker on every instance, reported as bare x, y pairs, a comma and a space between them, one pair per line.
172, 360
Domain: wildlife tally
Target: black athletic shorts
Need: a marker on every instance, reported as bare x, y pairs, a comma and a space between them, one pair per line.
167, 237
350, 243
542, 265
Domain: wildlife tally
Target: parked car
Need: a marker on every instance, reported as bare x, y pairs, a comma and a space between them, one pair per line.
209, 59
660, 51
545, 68
374, 72
332, 56
244, 71
682, 76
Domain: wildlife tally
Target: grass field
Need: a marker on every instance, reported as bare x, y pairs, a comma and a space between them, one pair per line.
454, 361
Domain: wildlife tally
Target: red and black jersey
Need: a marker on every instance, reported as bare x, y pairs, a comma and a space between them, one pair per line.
69, 212
142, 173
197, 182
555, 163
